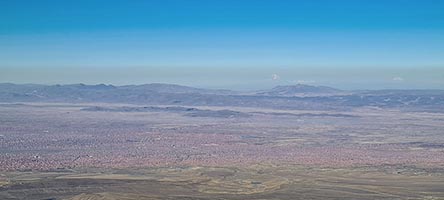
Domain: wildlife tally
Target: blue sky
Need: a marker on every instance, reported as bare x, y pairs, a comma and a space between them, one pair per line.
238, 44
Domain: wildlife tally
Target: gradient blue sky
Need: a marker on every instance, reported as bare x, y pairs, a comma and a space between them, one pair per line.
236, 44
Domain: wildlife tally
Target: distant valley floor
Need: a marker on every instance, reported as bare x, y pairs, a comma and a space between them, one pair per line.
208, 151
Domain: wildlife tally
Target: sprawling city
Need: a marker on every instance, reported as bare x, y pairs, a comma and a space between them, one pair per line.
376, 137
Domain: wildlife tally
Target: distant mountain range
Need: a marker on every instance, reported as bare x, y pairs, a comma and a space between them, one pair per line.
301, 90
282, 97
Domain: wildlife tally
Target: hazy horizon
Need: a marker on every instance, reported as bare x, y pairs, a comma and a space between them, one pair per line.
239, 45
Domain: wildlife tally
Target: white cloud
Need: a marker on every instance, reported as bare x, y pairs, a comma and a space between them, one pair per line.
275, 77
398, 79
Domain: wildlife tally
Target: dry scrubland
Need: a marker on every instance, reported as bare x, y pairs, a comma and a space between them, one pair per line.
116, 151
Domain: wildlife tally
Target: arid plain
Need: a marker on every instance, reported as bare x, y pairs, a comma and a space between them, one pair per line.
127, 151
